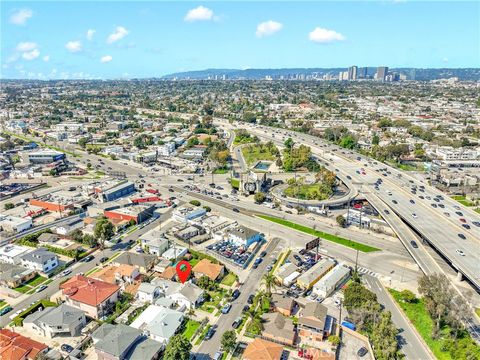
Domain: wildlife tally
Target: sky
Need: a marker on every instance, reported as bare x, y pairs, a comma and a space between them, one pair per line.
126, 39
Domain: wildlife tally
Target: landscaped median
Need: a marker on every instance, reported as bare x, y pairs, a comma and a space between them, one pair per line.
329, 237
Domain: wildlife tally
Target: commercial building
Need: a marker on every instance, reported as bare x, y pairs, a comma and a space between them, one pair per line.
329, 283
244, 236
45, 156
352, 73
166, 149
382, 72
137, 213
61, 201
315, 273
113, 190
15, 223
189, 213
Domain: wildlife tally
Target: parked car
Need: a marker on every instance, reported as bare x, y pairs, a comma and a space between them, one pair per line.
209, 334
250, 299
5, 310
103, 259
235, 294
237, 322
41, 288
67, 348
88, 258
362, 351
226, 308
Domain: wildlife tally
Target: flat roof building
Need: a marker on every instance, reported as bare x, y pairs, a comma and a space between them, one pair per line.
315, 273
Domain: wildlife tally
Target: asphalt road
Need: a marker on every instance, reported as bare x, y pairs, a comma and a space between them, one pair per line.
224, 322
410, 343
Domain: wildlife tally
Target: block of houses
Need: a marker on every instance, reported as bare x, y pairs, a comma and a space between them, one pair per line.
311, 321
206, 268
97, 298
40, 260
143, 262
52, 321
159, 322
283, 304
122, 342
279, 328
260, 349
13, 276
14, 346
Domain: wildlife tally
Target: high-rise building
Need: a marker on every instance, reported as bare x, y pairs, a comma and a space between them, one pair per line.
362, 73
382, 71
352, 72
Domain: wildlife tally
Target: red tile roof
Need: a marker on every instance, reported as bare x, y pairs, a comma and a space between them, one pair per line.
87, 290
14, 346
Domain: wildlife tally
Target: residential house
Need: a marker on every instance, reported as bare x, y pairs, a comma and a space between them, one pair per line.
13, 276
120, 275
14, 346
40, 260
159, 323
279, 329
122, 342
311, 321
206, 268
62, 320
12, 253
260, 349
143, 262
283, 304
187, 295
154, 242
95, 297
148, 292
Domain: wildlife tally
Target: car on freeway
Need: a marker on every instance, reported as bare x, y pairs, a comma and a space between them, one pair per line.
414, 215
462, 220
41, 288
476, 223
459, 213
412, 201
66, 272
461, 236
386, 212
67, 348
447, 214
235, 210
209, 334
433, 205
414, 244
460, 252
395, 202
88, 258
5, 310
466, 226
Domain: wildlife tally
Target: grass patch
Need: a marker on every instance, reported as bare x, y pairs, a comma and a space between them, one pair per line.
89, 272
29, 285
235, 183
419, 317
307, 192
463, 200
220, 171
202, 335
329, 237
3, 304
477, 311
229, 279
254, 153
190, 327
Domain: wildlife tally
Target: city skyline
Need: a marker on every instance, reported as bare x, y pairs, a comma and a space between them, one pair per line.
150, 39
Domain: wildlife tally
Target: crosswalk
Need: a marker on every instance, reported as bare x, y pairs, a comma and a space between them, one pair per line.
362, 270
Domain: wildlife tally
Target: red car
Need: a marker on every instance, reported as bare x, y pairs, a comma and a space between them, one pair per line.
462, 220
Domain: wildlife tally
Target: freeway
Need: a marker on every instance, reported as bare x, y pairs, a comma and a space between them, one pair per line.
440, 230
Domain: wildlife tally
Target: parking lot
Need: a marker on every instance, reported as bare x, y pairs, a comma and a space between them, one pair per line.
235, 254
350, 346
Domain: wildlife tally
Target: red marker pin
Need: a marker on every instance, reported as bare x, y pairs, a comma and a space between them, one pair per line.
183, 270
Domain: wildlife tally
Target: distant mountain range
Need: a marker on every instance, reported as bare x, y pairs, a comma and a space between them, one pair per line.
472, 74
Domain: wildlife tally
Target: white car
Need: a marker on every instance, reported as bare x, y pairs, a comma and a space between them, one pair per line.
414, 215
460, 252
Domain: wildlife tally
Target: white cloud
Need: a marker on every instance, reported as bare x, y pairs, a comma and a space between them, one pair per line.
320, 35
268, 28
90, 33
200, 13
31, 55
119, 33
106, 59
445, 60
73, 46
26, 46
21, 16
46, 58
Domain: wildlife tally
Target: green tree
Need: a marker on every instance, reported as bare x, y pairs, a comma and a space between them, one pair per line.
289, 143
229, 340
103, 231
334, 340
356, 294
408, 296
384, 338
82, 142
268, 280
259, 197
341, 221
9, 206
178, 348
195, 202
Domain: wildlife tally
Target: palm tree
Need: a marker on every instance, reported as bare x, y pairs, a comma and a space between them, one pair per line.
255, 325
269, 282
